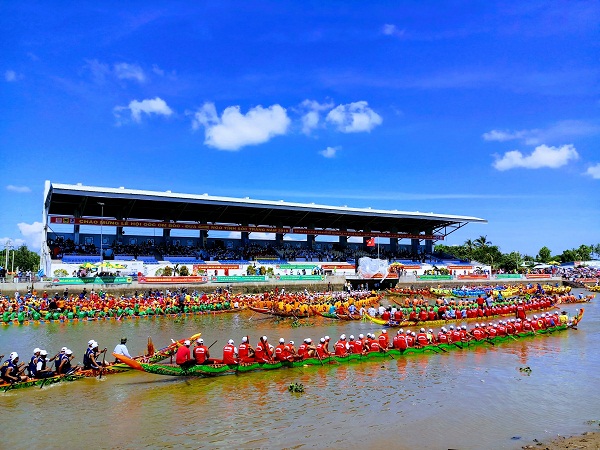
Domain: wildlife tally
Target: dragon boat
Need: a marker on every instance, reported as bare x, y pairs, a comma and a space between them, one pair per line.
77, 372
272, 312
337, 316
442, 322
40, 382
211, 370
404, 292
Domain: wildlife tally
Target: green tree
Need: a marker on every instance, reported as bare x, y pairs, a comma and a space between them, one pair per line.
544, 255
24, 259
481, 242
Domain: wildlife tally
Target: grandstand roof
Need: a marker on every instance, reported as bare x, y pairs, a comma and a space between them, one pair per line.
136, 204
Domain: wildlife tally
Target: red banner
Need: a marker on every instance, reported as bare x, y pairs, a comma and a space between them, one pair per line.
473, 277
250, 229
337, 266
180, 280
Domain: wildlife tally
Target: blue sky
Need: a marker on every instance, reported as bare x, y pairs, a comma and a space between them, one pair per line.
488, 109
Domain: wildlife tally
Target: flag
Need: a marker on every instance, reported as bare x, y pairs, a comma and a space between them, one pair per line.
371, 242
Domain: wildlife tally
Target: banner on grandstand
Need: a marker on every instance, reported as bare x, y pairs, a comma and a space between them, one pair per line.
435, 277
300, 277
209, 266
473, 276
170, 280
535, 276
249, 229
92, 280
239, 279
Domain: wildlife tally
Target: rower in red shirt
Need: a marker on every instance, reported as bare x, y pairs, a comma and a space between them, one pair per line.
400, 340
201, 352
279, 351
421, 338
230, 353
262, 352
383, 339
322, 349
410, 338
183, 356
357, 346
245, 351
341, 348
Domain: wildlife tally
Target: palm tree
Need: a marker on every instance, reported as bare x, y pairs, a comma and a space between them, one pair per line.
481, 242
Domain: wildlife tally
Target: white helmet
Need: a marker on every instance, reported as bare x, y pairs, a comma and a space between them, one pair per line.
343, 337
43, 353
351, 337
64, 349
36, 350
264, 338
90, 342
68, 352
422, 330
361, 336
13, 356
400, 331
200, 341
230, 342
322, 340
186, 343
281, 340
327, 338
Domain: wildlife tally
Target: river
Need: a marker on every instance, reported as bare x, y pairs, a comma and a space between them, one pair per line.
465, 399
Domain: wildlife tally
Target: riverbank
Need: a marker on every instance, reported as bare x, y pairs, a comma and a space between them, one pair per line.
589, 440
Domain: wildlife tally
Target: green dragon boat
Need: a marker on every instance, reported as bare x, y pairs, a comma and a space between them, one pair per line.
210, 370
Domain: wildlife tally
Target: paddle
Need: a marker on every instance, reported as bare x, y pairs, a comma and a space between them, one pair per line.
212, 344
387, 352
103, 359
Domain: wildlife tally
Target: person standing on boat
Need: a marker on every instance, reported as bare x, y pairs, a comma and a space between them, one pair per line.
121, 349
183, 357
201, 352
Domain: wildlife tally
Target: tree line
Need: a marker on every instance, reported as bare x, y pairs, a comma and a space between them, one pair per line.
20, 259
483, 251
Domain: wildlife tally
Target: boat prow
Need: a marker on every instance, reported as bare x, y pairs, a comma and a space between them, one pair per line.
133, 363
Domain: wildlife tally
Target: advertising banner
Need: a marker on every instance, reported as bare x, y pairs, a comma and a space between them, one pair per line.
68, 220
92, 280
180, 280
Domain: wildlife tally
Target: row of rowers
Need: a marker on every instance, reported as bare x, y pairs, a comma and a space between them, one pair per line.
265, 352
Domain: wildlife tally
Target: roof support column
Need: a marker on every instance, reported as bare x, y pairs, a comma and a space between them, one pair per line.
76, 228
414, 246
343, 240
429, 243
394, 242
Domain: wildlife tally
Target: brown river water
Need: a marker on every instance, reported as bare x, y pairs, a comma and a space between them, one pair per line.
464, 399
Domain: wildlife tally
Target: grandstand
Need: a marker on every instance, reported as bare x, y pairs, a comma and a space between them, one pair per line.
120, 219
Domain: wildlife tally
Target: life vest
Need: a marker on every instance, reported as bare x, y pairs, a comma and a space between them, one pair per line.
302, 350
400, 342
383, 340
357, 347
279, 352
375, 347
32, 366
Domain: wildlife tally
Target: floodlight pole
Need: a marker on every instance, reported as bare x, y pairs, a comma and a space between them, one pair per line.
101, 236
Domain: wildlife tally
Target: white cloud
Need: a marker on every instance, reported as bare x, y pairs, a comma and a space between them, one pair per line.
32, 232
594, 171
391, 30
559, 131
126, 71
234, 130
18, 189
149, 106
157, 70
354, 117
311, 118
330, 152
542, 156
10, 75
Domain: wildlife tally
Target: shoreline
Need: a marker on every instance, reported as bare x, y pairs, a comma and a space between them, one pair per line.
588, 440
